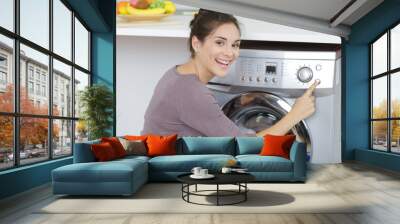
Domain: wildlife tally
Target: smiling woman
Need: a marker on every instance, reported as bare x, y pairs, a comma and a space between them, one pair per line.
182, 104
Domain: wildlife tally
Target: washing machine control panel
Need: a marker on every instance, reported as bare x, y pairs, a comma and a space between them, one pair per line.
281, 69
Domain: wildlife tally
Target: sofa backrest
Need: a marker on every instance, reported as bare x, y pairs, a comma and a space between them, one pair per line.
190, 146
83, 152
206, 145
249, 145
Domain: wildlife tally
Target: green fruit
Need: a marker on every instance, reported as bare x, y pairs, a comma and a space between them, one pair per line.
157, 4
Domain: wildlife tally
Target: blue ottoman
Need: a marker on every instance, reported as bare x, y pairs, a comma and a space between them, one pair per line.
118, 177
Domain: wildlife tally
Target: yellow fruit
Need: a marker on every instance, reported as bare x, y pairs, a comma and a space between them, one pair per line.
145, 12
122, 8
169, 7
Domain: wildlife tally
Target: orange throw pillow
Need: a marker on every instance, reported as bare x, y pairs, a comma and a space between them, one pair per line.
136, 137
161, 145
116, 145
103, 152
277, 145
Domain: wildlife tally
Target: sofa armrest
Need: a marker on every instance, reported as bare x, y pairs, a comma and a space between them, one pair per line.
298, 155
83, 152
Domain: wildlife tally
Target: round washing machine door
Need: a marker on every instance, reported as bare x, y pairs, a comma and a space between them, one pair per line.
260, 110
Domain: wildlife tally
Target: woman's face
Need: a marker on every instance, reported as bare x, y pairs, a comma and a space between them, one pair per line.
219, 49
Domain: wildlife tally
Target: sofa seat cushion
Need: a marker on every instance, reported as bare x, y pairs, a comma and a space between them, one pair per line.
112, 171
185, 163
257, 163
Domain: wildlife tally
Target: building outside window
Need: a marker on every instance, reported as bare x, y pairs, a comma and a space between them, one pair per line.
385, 91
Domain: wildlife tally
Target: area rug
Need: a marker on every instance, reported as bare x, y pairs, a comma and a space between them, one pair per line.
167, 198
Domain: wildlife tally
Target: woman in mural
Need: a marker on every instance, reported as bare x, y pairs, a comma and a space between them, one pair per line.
181, 102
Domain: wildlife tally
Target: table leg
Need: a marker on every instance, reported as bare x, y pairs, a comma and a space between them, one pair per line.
217, 194
188, 190
245, 191
182, 188
196, 188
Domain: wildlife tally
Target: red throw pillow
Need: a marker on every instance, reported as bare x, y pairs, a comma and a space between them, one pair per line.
161, 145
277, 145
116, 145
103, 151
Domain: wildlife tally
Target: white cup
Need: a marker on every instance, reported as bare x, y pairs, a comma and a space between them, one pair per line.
196, 170
226, 170
203, 172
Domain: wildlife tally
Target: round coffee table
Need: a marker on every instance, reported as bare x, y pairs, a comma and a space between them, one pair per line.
238, 179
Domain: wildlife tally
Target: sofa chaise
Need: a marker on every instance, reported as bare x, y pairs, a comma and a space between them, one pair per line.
126, 175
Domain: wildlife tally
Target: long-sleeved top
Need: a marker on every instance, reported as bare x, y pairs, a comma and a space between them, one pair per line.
183, 105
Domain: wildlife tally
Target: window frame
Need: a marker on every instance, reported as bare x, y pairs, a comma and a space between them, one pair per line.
16, 114
388, 74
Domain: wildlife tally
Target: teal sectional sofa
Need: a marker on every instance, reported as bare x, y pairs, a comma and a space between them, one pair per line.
125, 176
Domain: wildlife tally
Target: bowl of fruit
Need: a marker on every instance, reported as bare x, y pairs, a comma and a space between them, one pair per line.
137, 10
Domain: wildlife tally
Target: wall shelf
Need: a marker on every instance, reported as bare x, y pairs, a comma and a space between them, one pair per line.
178, 26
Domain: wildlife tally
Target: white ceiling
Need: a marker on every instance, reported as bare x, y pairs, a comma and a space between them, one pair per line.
314, 15
321, 9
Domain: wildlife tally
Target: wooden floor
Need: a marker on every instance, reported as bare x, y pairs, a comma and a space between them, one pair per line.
378, 188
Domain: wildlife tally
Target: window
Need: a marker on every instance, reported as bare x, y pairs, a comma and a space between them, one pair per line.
38, 89
43, 90
62, 29
30, 87
6, 73
3, 71
30, 72
3, 78
37, 74
55, 126
385, 94
3, 61
81, 45
34, 22
43, 77
62, 74
7, 14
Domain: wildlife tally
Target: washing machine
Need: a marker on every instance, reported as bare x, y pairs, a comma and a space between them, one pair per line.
262, 86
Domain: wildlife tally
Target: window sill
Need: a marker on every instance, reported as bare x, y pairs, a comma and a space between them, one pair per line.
26, 167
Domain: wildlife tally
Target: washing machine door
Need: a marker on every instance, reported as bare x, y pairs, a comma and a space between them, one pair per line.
260, 110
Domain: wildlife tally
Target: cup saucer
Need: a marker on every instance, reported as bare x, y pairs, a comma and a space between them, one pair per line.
208, 176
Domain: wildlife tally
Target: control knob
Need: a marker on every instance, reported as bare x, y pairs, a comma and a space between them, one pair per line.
304, 74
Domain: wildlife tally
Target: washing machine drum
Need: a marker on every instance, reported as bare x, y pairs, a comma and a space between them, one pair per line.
260, 110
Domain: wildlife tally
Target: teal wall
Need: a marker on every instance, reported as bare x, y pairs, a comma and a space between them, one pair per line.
103, 53
24, 178
355, 133
99, 16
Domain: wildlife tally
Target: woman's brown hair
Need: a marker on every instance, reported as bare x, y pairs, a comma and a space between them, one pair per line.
205, 21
